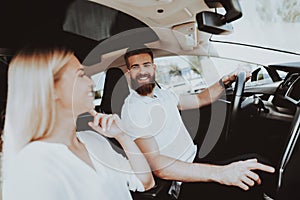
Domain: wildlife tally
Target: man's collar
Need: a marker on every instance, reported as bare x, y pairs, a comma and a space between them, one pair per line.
146, 99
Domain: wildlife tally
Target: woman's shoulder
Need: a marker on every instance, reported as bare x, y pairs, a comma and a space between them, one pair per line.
34, 159
37, 152
30, 169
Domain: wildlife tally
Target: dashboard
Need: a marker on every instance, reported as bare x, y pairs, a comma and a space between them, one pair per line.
288, 93
293, 92
281, 104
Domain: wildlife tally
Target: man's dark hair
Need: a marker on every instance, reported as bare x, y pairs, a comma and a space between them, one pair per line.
131, 51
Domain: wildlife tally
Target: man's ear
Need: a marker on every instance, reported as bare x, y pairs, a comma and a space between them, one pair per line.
127, 76
154, 65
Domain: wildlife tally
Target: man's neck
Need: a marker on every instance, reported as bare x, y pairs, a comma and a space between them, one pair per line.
151, 95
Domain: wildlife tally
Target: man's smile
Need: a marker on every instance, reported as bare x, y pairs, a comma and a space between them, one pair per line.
143, 78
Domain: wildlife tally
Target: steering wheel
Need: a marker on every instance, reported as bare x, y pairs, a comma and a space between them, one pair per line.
236, 101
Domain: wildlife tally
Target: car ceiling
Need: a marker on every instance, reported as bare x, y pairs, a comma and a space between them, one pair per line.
25, 19
159, 13
50, 21
44, 20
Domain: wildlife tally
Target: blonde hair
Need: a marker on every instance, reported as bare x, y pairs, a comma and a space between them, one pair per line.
30, 110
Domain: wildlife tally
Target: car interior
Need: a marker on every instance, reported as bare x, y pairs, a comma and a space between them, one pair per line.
259, 115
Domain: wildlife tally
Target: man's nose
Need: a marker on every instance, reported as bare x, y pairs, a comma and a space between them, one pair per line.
142, 70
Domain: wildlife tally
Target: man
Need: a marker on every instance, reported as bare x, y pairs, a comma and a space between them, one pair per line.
157, 128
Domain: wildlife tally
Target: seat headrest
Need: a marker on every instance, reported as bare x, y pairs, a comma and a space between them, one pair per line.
115, 91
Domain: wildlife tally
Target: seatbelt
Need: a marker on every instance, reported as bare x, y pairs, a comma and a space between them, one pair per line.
175, 189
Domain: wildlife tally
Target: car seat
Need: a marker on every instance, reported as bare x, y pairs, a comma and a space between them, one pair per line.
114, 92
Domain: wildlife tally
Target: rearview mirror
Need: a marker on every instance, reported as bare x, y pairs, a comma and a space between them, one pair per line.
213, 23
232, 7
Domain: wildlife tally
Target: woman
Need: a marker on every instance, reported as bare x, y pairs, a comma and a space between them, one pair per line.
44, 157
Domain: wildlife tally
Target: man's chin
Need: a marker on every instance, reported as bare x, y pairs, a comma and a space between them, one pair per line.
145, 89
141, 83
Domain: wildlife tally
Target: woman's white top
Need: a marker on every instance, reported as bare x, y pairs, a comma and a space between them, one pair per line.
50, 171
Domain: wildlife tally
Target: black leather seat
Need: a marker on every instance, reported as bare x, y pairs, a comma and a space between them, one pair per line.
114, 92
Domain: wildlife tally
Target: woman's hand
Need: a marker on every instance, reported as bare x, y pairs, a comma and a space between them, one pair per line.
107, 125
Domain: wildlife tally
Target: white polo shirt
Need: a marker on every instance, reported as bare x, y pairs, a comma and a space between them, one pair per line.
159, 117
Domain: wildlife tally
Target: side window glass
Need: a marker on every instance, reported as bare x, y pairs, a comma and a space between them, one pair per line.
4, 62
260, 76
98, 80
182, 74
263, 76
282, 74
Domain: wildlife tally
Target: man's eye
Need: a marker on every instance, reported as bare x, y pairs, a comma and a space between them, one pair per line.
148, 65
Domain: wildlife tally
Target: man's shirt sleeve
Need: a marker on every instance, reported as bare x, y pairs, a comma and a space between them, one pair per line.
141, 119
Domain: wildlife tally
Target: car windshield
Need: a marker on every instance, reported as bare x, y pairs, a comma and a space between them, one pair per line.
271, 24
191, 74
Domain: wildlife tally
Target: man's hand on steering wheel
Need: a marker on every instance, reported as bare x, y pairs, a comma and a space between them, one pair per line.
227, 80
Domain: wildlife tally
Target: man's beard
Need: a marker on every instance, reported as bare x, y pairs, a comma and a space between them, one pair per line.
144, 89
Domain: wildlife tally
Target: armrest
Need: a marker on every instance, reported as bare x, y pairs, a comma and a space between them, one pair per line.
158, 192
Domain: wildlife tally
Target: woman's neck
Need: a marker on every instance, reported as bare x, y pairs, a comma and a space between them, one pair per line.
64, 130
